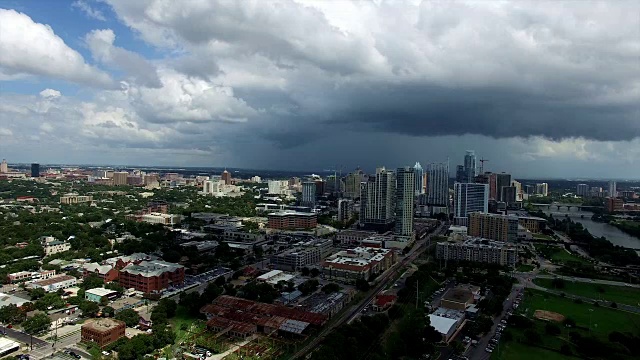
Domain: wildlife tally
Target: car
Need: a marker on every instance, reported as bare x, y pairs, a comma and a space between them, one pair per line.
105, 353
488, 350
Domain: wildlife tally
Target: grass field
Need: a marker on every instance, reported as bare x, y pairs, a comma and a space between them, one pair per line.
543, 237
558, 254
603, 320
618, 294
525, 267
518, 351
183, 317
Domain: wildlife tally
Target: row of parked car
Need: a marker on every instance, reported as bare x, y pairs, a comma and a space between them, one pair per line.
503, 324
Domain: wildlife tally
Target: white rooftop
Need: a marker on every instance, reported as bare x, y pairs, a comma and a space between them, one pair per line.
442, 324
100, 291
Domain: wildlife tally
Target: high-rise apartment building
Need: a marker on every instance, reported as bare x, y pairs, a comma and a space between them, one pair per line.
438, 184
613, 192
377, 199
35, 170
493, 226
308, 194
518, 186
419, 175
582, 190
120, 178
405, 193
320, 187
478, 250
469, 198
352, 184
226, 177
470, 165
509, 194
4, 167
502, 180
461, 176
345, 209
542, 189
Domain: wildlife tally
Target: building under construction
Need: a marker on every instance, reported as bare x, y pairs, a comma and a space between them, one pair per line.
242, 318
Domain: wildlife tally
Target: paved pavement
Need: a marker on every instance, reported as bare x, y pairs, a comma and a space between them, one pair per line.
595, 281
22, 337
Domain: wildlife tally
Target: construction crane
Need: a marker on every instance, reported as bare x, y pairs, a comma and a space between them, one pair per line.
482, 161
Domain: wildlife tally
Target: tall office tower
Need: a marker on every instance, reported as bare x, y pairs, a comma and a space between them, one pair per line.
308, 193
120, 178
4, 168
482, 178
438, 185
502, 180
226, 177
470, 166
405, 194
352, 184
377, 199
332, 184
529, 189
469, 198
320, 187
35, 170
509, 194
345, 209
461, 176
612, 189
493, 186
493, 226
542, 189
582, 190
419, 175
518, 187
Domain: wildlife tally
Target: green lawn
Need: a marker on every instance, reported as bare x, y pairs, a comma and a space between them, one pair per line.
618, 294
558, 254
183, 317
517, 351
525, 267
603, 319
543, 237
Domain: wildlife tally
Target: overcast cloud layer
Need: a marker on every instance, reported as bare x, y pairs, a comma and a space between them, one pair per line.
539, 88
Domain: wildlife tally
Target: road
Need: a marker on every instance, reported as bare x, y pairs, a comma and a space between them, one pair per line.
478, 352
383, 281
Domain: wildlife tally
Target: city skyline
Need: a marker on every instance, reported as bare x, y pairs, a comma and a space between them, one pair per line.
124, 85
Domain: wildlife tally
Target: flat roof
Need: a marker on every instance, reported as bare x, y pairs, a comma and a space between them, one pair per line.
6, 345
100, 292
54, 280
442, 324
103, 325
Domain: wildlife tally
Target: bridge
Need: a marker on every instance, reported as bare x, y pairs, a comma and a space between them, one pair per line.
559, 206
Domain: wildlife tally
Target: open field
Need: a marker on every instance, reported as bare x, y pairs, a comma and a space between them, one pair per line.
558, 254
543, 237
618, 294
517, 351
525, 268
603, 320
184, 324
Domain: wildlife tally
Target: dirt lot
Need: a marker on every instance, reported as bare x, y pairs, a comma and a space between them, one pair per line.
548, 315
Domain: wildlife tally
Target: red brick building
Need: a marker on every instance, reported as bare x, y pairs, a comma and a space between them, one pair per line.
291, 220
614, 204
103, 331
151, 276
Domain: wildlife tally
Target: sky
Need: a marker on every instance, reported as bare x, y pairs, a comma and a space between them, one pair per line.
539, 88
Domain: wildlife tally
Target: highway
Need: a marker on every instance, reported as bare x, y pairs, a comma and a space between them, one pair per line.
383, 281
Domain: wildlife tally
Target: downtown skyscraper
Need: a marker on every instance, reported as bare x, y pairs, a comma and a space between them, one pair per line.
469, 198
438, 184
404, 199
470, 166
419, 175
377, 200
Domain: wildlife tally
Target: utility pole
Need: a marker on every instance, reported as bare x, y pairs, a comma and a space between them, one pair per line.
417, 292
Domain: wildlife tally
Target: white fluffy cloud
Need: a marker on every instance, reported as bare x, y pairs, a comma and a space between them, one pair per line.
88, 10
140, 70
50, 94
27, 47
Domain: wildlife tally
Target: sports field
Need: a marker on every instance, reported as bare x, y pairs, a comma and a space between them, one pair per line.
618, 294
603, 320
517, 351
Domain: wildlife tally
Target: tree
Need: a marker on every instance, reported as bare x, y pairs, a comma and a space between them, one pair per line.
169, 306
565, 349
11, 314
37, 293
331, 288
129, 316
308, 286
108, 311
532, 336
362, 285
305, 271
614, 305
91, 282
89, 308
552, 329
36, 324
314, 272
458, 348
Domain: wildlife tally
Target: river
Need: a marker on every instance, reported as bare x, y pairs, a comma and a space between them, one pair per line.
597, 229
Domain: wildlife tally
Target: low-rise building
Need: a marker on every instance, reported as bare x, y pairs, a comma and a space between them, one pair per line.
19, 276
532, 223
446, 322
53, 246
160, 218
96, 295
8, 299
303, 254
359, 263
275, 276
105, 272
292, 220
73, 198
55, 283
103, 331
493, 226
613, 204
151, 276
353, 237
478, 250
